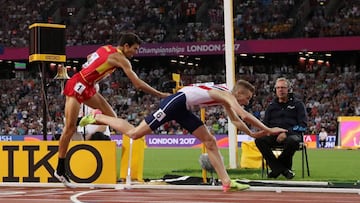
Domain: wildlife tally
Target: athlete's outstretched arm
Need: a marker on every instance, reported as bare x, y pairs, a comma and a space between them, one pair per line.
241, 125
229, 101
121, 61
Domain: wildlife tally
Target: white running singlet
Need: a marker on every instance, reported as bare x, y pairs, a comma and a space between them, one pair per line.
198, 95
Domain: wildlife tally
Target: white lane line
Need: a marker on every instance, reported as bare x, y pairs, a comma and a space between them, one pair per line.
74, 198
7, 193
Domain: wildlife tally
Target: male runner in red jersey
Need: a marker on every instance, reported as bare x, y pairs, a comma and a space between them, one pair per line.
80, 89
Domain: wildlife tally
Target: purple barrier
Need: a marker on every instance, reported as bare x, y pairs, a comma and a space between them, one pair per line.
167, 141
150, 140
214, 48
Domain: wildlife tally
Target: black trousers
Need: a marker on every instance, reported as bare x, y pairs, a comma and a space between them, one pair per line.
284, 161
322, 143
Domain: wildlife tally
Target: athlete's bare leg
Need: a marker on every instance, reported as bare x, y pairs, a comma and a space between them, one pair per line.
118, 124
139, 131
99, 102
72, 107
203, 134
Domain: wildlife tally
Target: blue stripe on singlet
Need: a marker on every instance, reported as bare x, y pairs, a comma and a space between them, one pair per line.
220, 88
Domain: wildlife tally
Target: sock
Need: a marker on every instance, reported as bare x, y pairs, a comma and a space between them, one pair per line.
61, 166
78, 121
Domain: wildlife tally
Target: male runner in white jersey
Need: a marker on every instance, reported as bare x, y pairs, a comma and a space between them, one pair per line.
177, 107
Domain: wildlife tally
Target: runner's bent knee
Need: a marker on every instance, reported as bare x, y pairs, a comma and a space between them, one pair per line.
210, 143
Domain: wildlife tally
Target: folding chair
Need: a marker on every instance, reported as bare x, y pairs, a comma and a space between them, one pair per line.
304, 158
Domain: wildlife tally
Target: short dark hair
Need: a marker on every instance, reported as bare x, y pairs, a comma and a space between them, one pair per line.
130, 39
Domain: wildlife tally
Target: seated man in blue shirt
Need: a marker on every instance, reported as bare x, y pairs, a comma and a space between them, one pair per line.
289, 113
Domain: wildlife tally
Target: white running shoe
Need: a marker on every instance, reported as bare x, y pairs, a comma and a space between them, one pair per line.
64, 179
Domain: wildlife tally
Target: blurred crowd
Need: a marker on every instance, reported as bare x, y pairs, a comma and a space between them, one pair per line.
326, 94
156, 21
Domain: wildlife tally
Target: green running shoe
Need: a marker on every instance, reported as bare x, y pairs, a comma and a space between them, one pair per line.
235, 186
86, 120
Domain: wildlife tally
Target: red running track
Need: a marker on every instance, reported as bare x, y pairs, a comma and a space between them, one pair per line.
79, 195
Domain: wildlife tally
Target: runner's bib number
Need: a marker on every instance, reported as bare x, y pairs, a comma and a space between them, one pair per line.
159, 115
79, 88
